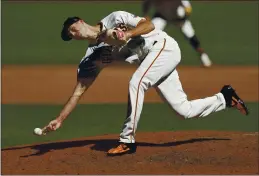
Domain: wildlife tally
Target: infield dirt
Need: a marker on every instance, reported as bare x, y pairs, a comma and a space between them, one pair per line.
54, 84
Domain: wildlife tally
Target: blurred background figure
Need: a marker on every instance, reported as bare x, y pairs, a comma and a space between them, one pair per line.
176, 12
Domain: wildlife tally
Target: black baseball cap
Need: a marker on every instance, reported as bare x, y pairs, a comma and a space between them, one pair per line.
68, 22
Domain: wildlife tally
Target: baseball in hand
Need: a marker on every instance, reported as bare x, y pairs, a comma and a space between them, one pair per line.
38, 131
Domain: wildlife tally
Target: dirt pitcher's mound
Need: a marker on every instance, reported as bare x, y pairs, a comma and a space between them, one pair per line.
193, 152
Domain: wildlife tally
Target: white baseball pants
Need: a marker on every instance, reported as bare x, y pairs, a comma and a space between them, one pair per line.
158, 70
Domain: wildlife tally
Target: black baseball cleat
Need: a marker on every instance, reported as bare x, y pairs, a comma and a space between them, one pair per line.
233, 100
122, 149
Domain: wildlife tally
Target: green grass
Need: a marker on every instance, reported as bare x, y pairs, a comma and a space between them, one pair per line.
31, 31
18, 121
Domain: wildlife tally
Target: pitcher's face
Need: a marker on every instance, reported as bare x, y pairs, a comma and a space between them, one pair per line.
78, 30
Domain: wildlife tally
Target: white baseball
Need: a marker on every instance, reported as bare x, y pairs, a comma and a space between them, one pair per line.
38, 131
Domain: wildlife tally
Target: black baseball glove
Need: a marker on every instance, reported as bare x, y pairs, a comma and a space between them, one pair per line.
105, 54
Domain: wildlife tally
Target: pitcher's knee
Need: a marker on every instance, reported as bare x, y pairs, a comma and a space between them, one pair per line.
136, 83
184, 110
184, 114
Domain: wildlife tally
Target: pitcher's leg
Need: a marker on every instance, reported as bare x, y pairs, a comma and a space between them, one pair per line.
159, 63
156, 65
172, 92
137, 88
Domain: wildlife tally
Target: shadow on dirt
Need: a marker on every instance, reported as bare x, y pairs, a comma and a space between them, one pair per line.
102, 145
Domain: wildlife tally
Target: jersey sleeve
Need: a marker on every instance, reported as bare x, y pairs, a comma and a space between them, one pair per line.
89, 51
87, 67
127, 18
92, 48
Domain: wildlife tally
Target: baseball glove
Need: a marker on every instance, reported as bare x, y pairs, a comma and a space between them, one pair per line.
106, 54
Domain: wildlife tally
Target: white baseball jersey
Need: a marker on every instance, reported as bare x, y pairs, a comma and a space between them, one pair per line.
118, 18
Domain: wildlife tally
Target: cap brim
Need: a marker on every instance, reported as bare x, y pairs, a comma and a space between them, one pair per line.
64, 34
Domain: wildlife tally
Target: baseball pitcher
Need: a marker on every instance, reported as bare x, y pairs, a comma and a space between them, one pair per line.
157, 56
176, 12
